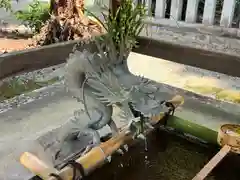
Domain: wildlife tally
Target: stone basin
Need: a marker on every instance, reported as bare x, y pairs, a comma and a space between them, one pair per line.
32, 126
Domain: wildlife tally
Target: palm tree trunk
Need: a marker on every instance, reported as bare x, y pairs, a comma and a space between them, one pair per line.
114, 4
68, 22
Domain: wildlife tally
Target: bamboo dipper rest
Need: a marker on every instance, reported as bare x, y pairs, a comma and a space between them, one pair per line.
229, 139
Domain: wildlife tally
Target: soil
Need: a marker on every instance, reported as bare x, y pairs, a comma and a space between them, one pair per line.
8, 45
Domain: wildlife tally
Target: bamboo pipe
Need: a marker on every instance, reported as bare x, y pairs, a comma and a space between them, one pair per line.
36, 165
230, 142
93, 158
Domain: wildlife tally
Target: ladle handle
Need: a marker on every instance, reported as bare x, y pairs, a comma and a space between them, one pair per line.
212, 163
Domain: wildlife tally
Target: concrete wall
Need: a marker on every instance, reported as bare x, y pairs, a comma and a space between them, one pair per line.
29, 60
205, 59
33, 59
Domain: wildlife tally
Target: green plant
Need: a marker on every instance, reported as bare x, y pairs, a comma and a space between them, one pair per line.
122, 28
125, 25
6, 4
35, 16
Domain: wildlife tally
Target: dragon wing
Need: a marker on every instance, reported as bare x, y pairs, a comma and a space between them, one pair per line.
110, 91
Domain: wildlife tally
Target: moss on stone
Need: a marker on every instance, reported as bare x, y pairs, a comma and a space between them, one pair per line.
219, 93
229, 95
204, 89
15, 87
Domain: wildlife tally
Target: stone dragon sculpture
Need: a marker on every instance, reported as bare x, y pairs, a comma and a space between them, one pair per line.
102, 80
99, 83
98, 113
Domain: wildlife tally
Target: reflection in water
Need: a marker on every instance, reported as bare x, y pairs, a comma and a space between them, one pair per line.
168, 158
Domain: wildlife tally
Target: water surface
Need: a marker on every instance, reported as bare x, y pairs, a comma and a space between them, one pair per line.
168, 158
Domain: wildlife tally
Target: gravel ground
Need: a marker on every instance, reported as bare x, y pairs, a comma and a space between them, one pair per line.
8, 45
42, 74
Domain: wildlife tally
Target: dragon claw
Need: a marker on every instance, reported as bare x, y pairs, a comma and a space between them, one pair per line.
109, 159
120, 151
149, 125
123, 149
113, 128
141, 136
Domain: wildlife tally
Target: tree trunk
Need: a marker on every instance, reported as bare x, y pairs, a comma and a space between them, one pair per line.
114, 4
67, 22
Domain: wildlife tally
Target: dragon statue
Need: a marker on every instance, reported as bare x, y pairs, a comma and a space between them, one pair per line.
101, 84
102, 80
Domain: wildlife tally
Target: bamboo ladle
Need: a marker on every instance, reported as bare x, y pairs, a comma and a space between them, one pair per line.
229, 139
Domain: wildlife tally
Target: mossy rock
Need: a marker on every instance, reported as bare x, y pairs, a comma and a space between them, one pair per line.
11, 89
219, 93
229, 95
204, 89
14, 87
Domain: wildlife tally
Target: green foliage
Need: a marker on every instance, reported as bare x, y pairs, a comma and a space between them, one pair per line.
6, 4
35, 16
122, 28
125, 25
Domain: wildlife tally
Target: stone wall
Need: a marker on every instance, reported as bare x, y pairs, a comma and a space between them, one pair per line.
33, 59
188, 53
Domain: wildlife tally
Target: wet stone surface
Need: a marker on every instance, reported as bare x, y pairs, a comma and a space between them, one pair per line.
46, 78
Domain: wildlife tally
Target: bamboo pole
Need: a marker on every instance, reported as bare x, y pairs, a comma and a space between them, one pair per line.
92, 159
